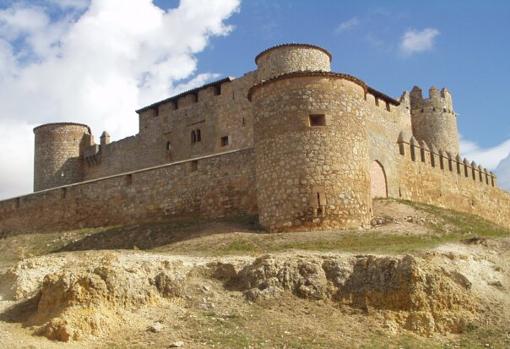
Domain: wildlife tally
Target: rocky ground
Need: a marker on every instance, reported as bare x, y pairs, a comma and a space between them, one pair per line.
421, 277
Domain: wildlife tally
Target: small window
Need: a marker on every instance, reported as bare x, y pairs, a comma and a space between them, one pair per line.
64, 193
156, 111
217, 90
129, 179
317, 120
168, 146
196, 136
194, 165
224, 141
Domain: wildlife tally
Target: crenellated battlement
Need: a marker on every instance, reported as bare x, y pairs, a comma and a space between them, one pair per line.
438, 100
433, 119
419, 151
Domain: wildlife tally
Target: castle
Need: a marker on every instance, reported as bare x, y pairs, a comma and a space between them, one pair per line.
297, 145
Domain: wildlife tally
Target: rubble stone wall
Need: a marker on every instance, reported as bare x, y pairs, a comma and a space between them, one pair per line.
445, 182
314, 176
209, 187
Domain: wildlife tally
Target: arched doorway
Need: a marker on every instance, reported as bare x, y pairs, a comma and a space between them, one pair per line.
378, 186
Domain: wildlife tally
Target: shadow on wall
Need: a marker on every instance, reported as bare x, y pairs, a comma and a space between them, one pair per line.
153, 235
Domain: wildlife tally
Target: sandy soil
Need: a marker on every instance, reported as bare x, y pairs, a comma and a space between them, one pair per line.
452, 295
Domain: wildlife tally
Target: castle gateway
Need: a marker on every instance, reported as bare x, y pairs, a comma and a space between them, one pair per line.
297, 145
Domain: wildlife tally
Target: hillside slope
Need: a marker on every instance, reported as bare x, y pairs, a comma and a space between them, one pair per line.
419, 277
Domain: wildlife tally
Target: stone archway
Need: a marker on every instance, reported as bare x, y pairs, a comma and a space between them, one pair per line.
378, 184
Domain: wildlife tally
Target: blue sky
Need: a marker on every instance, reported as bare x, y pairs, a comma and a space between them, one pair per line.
96, 61
470, 55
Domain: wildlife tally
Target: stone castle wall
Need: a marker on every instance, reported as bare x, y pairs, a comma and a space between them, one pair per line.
385, 121
446, 182
290, 58
250, 146
209, 187
58, 149
434, 120
216, 111
310, 175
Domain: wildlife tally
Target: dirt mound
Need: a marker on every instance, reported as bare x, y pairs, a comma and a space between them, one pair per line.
77, 302
25, 278
428, 298
268, 276
419, 297
101, 292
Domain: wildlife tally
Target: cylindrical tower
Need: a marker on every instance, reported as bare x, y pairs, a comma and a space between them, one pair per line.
57, 156
434, 120
289, 58
311, 145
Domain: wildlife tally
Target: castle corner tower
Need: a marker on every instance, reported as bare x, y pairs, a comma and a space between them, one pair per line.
311, 142
57, 157
433, 119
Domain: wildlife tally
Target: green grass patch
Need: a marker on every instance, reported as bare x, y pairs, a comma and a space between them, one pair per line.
460, 222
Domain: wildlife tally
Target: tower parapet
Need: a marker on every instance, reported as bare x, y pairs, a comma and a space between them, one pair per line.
289, 58
57, 156
433, 119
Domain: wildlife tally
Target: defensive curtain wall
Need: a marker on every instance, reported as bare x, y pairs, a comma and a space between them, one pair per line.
439, 179
291, 142
214, 186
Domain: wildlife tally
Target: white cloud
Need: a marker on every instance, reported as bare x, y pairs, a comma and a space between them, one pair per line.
96, 67
414, 41
503, 173
16, 164
347, 25
487, 157
496, 159
71, 4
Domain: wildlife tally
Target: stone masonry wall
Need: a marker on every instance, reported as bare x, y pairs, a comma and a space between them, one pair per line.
311, 176
451, 184
290, 58
209, 187
57, 154
165, 134
434, 120
267, 155
385, 122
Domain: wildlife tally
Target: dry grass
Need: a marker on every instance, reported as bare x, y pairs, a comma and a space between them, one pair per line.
243, 236
285, 323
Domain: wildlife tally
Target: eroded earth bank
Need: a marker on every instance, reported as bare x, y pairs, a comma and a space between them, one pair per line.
231, 286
